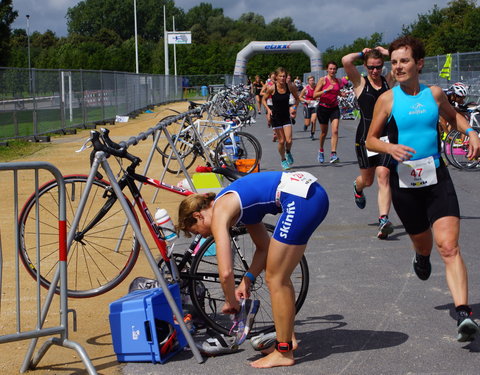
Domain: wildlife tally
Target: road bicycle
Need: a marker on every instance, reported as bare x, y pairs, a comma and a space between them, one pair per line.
220, 143
100, 257
455, 144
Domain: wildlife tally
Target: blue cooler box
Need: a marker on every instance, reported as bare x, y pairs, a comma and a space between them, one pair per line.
143, 326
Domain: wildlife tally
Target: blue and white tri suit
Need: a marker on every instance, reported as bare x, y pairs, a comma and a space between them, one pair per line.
258, 195
414, 123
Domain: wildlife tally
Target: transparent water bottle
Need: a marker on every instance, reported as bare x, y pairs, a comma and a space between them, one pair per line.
164, 221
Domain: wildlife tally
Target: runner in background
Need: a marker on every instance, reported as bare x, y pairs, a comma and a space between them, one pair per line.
257, 86
269, 83
367, 90
309, 106
326, 92
280, 114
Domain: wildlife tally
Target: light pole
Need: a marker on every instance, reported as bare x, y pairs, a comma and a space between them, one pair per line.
28, 49
136, 38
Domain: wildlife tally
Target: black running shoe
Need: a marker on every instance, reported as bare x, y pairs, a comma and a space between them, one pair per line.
360, 199
466, 327
422, 266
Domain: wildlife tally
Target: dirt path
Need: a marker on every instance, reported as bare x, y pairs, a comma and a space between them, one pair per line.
92, 314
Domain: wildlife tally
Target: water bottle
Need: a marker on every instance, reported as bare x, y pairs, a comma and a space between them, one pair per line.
163, 220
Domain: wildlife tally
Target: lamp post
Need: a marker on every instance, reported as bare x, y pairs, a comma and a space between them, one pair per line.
28, 49
136, 38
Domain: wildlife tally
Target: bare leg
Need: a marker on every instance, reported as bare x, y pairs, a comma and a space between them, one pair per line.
446, 232
280, 133
287, 131
323, 134
384, 192
365, 179
334, 140
281, 261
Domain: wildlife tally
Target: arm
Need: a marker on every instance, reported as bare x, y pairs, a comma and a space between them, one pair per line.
224, 211
261, 240
457, 120
381, 113
351, 70
389, 77
318, 88
294, 91
268, 92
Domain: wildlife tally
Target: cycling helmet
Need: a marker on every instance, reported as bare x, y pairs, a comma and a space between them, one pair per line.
459, 89
166, 336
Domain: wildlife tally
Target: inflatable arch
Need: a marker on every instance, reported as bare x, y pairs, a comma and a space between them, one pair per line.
254, 48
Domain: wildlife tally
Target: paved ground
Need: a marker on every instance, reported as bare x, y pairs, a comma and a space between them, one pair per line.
366, 312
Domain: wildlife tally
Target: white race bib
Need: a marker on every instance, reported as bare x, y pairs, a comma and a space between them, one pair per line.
372, 153
296, 183
312, 103
417, 173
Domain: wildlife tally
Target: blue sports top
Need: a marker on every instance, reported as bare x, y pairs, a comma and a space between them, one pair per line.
256, 192
414, 122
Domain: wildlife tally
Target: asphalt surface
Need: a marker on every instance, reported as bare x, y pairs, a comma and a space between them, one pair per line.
366, 312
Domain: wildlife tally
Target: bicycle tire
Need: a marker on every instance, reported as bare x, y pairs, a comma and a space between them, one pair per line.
447, 149
204, 274
246, 147
459, 154
174, 129
94, 266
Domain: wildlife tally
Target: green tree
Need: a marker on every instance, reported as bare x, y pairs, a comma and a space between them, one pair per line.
7, 16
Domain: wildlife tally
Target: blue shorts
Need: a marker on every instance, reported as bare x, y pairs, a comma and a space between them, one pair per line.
301, 216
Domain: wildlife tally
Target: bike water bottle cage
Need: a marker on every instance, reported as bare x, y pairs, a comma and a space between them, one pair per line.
283, 347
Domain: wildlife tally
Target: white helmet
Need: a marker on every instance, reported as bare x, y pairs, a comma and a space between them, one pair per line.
459, 89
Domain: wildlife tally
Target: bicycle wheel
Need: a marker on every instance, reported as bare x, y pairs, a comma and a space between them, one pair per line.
98, 260
245, 146
459, 147
209, 299
448, 148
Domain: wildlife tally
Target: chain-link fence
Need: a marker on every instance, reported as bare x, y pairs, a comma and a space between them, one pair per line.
37, 102
465, 67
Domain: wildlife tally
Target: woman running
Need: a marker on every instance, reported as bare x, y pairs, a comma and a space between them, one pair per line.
281, 114
422, 191
309, 106
257, 86
326, 91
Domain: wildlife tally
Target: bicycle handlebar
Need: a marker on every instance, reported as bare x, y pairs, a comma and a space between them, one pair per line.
110, 147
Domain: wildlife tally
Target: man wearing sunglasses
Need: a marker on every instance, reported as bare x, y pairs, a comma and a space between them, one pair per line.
367, 90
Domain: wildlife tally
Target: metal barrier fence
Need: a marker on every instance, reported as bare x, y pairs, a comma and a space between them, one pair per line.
19, 298
36, 102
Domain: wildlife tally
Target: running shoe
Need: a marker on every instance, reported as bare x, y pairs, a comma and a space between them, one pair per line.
422, 266
289, 157
312, 136
360, 199
466, 327
385, 227
334, 158
321, 157
217, 345
285, 165
304, 128
243, 320
263, 340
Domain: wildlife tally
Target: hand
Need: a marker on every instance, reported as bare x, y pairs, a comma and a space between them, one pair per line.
231, 308
473, 146
382, 50
366, 50
243, 290
401, 153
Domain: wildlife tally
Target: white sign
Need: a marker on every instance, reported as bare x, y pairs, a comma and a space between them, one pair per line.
179, 37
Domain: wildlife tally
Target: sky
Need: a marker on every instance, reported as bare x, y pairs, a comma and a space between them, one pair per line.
330, 23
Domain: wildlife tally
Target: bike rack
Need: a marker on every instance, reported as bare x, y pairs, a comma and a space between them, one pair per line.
101, 159
61, 274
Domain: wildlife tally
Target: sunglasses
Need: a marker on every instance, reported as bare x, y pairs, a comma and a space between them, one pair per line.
372, 67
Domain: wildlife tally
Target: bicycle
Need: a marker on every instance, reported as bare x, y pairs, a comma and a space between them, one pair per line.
455, 145
224, 144
100, 259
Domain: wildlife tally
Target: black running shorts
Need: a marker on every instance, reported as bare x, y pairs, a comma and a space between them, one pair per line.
325, 114
419, 208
